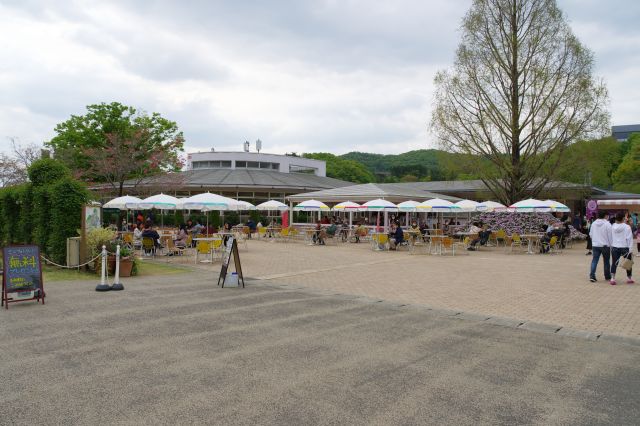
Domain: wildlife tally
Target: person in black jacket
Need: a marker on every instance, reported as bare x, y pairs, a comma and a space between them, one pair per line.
397, 236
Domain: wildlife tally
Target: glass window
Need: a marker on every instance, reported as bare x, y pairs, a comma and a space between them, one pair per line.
225, 164
252, 165
265, 165
275, 166
241, 164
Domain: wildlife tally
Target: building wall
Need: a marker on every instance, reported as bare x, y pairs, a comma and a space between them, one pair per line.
254, 160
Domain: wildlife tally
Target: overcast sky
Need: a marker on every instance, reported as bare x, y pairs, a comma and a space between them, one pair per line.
333, 76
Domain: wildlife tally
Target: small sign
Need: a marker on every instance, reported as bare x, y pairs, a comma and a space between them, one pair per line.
231, 249
22, 275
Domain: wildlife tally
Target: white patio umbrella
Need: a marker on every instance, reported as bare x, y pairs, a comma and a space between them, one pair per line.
490, 206
245, 205
161, 202
380, 205
438, 205
272, 205
408, 206
311, 206
120, 203
557, 206
530, 205
347, 206
207, 202
467, 205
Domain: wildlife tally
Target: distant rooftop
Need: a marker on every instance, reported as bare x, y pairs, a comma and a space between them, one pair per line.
623, 132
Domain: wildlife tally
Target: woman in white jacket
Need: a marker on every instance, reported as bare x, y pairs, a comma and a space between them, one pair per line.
621, 246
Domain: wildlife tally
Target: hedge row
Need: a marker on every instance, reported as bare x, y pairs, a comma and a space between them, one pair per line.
45, 211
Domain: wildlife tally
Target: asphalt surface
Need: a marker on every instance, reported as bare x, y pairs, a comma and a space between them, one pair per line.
178, 350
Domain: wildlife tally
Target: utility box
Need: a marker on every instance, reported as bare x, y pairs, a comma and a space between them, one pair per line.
73, 251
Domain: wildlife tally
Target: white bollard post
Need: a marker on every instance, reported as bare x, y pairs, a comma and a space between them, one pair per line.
116, 280
103, 286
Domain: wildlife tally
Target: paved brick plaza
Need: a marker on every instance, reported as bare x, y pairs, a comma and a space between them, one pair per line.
550, 289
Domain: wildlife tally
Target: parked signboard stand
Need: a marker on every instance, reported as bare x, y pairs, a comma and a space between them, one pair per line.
231, 249
22, 275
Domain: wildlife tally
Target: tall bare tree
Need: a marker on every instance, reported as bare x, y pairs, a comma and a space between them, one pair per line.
13, 167
520, 91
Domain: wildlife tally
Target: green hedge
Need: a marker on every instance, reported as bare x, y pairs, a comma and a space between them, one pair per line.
45, 212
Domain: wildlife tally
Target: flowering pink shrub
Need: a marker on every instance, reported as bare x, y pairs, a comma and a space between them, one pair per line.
522, 223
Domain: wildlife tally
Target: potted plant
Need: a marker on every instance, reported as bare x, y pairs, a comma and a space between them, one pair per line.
96, 238
127, 259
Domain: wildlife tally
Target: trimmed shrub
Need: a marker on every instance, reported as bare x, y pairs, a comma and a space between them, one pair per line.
67, 197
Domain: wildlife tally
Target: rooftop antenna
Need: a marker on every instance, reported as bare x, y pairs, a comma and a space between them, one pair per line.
258, 145
213, 149
246, 146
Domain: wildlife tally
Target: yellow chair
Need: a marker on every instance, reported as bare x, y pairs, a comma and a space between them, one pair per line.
283, 235
447, 244
501, 237
516, 241
205, 248
148, 247
262, 232
380, 242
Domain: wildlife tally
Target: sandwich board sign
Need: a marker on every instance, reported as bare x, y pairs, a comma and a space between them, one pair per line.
231, 249
22, 275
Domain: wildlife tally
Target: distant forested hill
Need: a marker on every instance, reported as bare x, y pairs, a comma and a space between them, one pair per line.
605, 163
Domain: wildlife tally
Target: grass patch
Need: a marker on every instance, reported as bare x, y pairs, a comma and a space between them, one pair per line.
145, 268
53, 273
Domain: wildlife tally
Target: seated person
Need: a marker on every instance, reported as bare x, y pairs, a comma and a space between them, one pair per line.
483, 235
397, 236
252, 227
181, 238
332, 229
319, 234
149, 232
424, 229
137, 235
361, 231
415, 231
344, 231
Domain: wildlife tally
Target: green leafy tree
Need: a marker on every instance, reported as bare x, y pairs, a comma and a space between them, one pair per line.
520, 91
591, 162
113, 142
339, 168
627, 176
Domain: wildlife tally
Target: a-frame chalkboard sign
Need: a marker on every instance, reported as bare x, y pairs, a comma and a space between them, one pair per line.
231, 249
21, 275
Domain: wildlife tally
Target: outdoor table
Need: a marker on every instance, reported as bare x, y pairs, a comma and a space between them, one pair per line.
463, 235
531, 239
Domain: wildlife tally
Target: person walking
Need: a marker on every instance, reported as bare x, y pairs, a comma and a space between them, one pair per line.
621, 246
600, 233
587, 230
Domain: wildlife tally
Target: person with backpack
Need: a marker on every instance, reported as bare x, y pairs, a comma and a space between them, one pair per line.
600, 233
621, 246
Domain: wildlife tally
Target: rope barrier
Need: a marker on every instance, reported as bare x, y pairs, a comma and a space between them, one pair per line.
69, 267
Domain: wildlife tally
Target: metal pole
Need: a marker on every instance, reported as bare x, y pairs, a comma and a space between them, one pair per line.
116, 280
103, 278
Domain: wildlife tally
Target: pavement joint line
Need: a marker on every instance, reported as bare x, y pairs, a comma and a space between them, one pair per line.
314, 271
517, 324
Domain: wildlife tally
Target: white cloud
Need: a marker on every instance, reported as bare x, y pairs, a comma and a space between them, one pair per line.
302, 76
